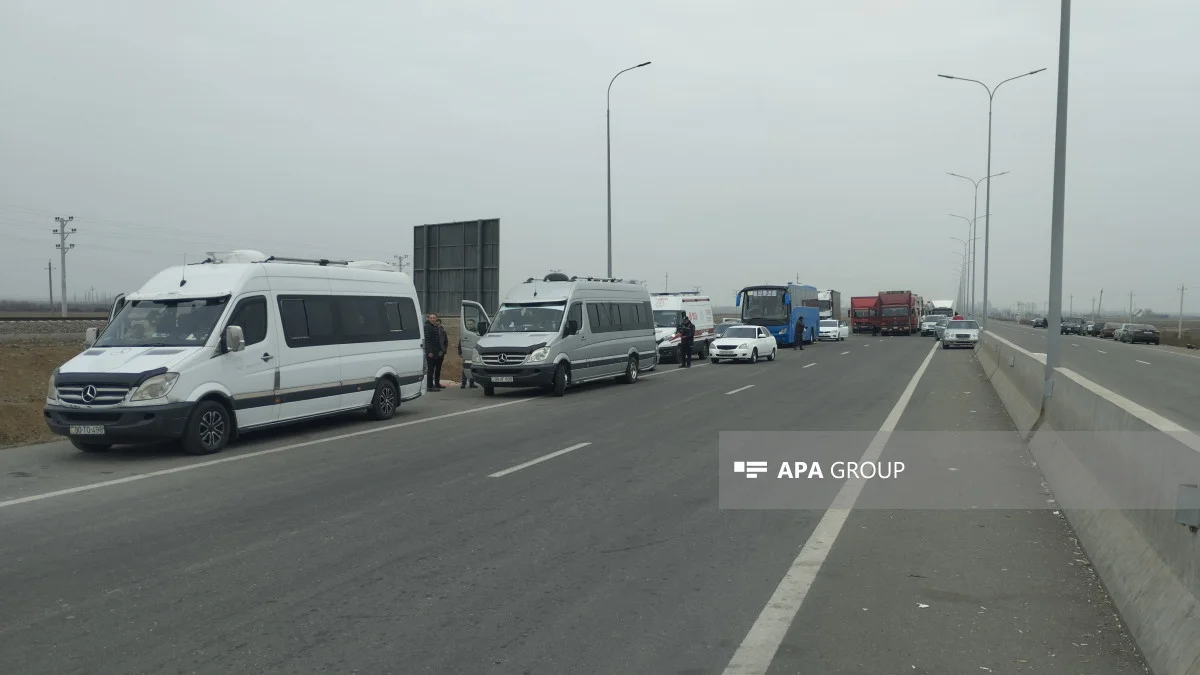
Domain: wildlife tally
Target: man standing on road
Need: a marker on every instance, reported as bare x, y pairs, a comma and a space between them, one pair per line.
436, 341
687, 335
799, 344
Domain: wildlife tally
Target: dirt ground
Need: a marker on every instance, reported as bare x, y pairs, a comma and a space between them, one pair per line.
24, 372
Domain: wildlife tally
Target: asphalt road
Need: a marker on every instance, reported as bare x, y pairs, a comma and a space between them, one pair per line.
1163, 379
438, 543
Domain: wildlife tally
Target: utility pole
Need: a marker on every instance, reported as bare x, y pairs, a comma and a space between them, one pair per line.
50, 278
1071, 306
1100, 304
401, 261
666, 282
1093, 310
63, 247
1130, 306
1179, 329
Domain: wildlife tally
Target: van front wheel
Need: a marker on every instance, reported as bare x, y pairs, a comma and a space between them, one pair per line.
208, 429
560, 380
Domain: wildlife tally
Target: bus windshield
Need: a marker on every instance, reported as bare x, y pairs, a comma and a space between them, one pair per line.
764, 305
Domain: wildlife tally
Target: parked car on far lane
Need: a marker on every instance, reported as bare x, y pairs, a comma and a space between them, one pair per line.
960, 334
940, 329
1071, 326
744, 343
1119, 333
1140, 332
832, 329
1107, 330
1041, 322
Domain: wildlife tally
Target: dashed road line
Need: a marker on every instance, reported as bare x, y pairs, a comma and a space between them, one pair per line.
810, 365
739, 389
1141, 361
539, 460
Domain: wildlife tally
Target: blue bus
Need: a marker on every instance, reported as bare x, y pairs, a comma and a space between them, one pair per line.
777, 308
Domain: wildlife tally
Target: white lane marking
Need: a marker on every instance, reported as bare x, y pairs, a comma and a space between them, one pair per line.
673, 370
260, 453
739, 389
1074, 345
539, 460
1101, 351
1141, 361
845, 353
758, 649
810, 365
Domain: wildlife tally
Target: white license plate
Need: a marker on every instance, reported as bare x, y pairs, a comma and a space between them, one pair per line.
91, 430
502, 379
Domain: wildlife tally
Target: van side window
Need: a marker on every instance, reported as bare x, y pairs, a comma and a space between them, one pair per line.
361, 317
395, 321
320, 318
647, 315
629, 317
575, 314
251, 315
614, 316
295, 323
598, 317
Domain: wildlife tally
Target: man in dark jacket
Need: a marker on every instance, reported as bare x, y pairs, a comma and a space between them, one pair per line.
799, 344
687, 335
436, 342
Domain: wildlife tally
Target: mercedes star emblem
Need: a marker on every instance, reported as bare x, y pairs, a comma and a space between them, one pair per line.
89, 394
503, 358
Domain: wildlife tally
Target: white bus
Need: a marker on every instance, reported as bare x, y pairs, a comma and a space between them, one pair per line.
241, 341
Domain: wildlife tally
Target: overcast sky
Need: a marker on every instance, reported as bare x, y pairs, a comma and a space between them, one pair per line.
767, 139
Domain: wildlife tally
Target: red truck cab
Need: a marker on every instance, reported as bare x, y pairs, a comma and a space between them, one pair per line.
898, 313
864, 314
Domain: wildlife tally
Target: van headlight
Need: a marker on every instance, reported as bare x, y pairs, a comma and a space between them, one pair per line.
538, 355
51, 390
477, 357
155, 387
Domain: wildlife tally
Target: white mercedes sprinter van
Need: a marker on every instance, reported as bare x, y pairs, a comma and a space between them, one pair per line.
242, 341
561, 331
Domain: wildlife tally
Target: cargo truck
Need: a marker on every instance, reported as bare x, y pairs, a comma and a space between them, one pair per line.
829, 304
864, 314
898, 313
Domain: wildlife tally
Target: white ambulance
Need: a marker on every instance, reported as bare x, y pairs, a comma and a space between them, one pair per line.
669, 309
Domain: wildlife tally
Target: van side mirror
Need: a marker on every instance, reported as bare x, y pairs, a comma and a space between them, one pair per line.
89, 337
482, 327
235, 339
572, 327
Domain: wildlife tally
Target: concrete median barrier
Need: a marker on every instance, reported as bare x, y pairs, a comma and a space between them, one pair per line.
1125, 477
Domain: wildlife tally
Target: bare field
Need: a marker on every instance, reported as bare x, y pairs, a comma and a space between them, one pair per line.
25, 370
25, 316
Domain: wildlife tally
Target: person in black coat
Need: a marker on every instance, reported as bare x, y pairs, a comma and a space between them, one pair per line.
687, 336
799, 344
436, 342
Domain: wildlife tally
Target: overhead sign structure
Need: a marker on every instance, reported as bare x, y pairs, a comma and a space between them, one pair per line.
457, 261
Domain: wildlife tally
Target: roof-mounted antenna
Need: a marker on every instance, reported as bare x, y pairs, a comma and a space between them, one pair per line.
183, 272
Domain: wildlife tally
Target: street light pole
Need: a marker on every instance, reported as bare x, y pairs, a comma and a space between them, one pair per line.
974, 232
987, 207
1053, 343
608, 133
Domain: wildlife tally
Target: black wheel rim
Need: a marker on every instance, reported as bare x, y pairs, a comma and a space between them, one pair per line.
212, 429
387, 400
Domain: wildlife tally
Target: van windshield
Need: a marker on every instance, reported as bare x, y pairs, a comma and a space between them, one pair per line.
666, 318
529, 318
163, 323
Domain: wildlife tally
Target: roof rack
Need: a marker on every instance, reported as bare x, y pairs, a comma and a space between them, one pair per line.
679, 293
312, 261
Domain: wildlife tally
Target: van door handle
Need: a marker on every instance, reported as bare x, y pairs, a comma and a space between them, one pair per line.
267, 357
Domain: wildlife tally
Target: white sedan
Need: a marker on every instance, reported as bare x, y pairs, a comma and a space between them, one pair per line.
832, 329
744, 343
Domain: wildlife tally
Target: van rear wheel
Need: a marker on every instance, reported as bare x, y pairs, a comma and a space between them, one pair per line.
631, 371
385, 402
